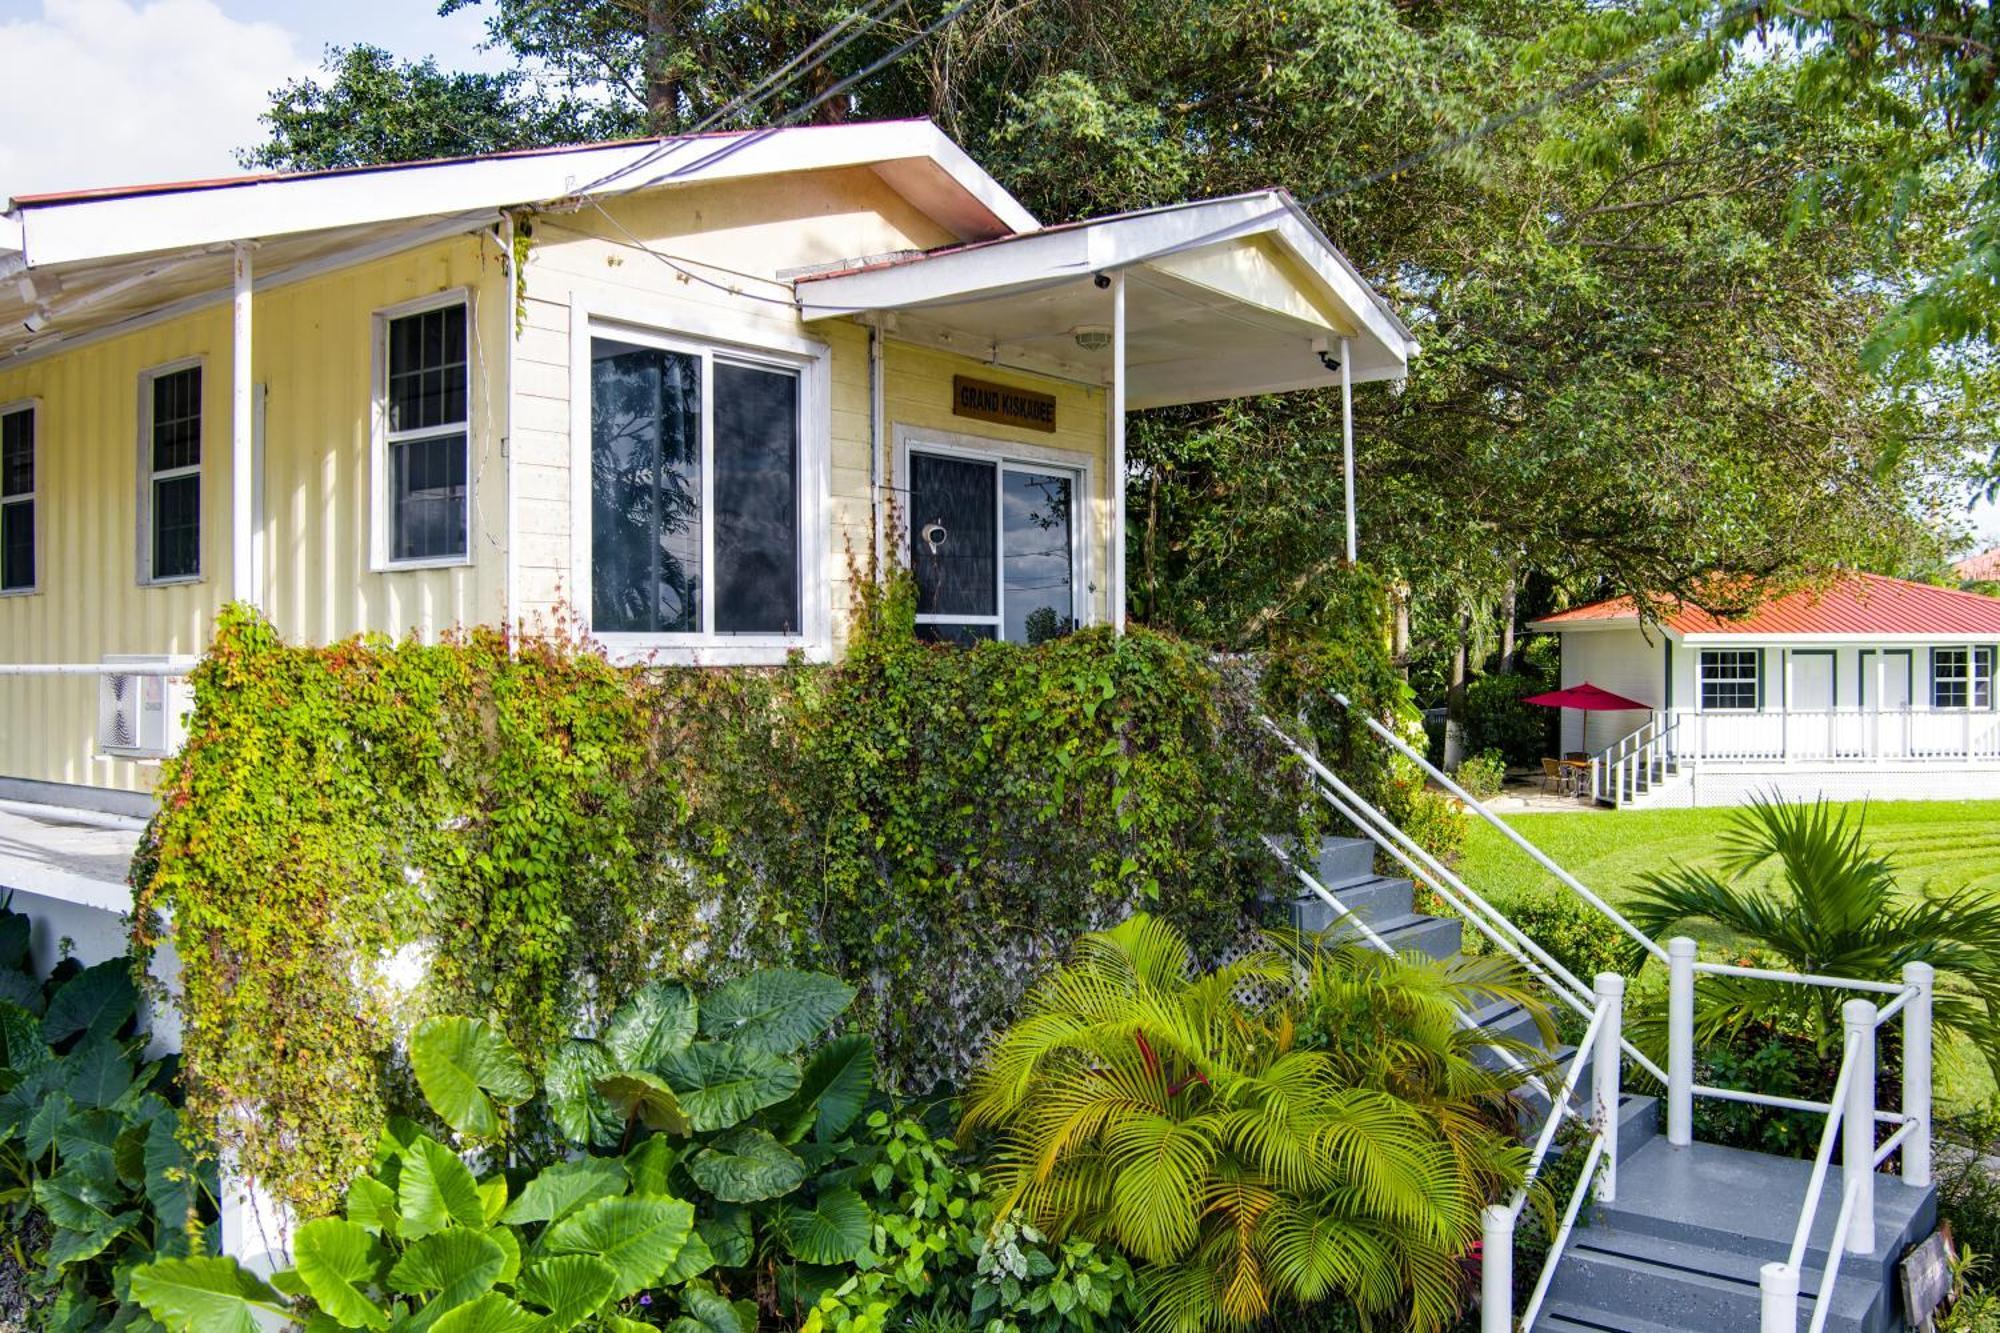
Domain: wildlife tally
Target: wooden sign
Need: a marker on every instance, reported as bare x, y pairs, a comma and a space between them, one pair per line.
1926, 1274
1003, 404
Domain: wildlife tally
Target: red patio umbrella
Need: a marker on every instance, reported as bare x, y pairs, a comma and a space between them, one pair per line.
1588, 698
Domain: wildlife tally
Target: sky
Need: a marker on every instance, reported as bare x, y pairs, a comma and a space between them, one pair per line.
109, 92
119, 92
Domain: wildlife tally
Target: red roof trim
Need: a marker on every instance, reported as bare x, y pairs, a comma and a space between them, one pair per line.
1856, 604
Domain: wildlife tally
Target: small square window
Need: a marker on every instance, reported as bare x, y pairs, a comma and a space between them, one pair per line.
1729, 680
1962, 678
426, 392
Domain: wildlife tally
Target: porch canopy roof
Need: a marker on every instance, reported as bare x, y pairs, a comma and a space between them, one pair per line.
1853, 608
1224, 298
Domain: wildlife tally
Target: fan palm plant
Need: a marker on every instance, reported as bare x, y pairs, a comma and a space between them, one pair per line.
1180, 1115
1831, 906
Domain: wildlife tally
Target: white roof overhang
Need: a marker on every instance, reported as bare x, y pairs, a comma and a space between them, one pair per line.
73, 264
1224, 298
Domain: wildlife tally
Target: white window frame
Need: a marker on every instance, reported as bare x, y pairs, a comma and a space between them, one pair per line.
1701, 680
380, 524
1975, 654
147, 476
740, 341
1002, 455
33, 407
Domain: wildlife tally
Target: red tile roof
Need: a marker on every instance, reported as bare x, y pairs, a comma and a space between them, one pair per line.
1981, 568
1856, 604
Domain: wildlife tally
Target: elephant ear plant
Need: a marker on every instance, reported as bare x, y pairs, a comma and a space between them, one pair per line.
93, 1179
701, 1142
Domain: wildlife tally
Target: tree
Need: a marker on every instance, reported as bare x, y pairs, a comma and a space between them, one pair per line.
375, 109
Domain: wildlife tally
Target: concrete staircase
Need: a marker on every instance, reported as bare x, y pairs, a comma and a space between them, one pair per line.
1682, 1246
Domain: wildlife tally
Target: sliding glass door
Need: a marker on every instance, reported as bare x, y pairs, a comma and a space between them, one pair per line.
993, 548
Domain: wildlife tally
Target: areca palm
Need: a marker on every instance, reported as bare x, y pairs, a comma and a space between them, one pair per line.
1831, 906
1179, 1115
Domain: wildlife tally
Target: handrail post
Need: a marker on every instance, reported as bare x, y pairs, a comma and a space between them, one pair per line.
1604, 1072
1680, 1041
1496, 1270
1857, 1130
1917, 1073
1779, 1283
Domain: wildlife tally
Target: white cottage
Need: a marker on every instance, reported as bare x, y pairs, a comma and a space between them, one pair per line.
1871, 688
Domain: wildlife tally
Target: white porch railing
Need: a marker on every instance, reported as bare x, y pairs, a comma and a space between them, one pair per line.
1851, 1114
1637, 762
1834, 735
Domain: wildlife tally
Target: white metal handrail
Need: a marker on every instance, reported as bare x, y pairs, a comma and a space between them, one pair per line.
1540, 857
1618, 770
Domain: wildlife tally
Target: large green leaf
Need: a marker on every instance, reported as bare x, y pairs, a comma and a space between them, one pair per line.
15, 932
491, 1313
563, 1188
646, 1097
372, 1205
570, 1083
835, 1230
435, 1190
694, 1259
336, 1260
778, 1009
24, 993
39, 1133
745, 1165
654, 1023
78, 1200
21, 1036
709, 1311
96, 1000
172, 1179
570, 1287
721, 1084
650, 1162
838, 1080
728, 1235
464, 1066
456, 1266
637, 1237
203, 1295
97, 1072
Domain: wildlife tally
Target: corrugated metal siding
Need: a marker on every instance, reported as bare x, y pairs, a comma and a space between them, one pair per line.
313, 351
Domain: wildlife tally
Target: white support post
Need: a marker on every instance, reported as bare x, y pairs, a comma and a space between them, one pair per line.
1881, 682
1347, 450
1857, 1128
1118, 452
1680, 1041
1785, 715
242, 433
1779, 1283
1610, 990
1917, 1074
1496, 1270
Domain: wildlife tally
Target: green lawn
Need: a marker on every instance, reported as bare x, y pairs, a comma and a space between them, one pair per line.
1937, 845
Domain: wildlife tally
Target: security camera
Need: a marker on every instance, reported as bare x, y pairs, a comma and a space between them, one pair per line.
1101, 281
1330, 361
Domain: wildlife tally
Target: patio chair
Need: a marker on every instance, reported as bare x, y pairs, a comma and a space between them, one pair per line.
1553, 776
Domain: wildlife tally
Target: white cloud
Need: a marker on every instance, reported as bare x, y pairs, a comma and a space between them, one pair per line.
119, 92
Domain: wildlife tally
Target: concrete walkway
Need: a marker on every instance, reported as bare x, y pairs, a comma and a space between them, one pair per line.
1526, 795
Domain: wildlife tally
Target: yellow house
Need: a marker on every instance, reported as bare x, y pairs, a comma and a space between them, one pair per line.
668, 394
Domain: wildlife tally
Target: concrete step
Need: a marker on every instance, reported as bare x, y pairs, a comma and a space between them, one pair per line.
1376, 898
1435, 937
1562, 1318
1344, 861
1695, 1286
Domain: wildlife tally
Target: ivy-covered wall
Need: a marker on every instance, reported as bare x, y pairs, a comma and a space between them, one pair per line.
528, 832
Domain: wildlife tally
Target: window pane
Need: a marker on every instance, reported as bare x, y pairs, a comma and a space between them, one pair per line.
1035, 554
756, 500
177, 419
17, 453
645, 489
1729, 679
952, 536
427, 369
177, 527
427, 498
964, 636
17, 544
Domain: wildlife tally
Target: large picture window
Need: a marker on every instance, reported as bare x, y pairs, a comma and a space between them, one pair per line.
170, 448
1962, 678
695, 501
17, 500
1729, 680
993, 548
426, 392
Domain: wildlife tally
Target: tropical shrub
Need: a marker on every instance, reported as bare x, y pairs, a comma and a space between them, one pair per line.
1184, 1117
1573, 932
94, 1180
1758, 1059
1483, 774
543, 827
1831, 906
1969, 1193
941, 1260
1496, 719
